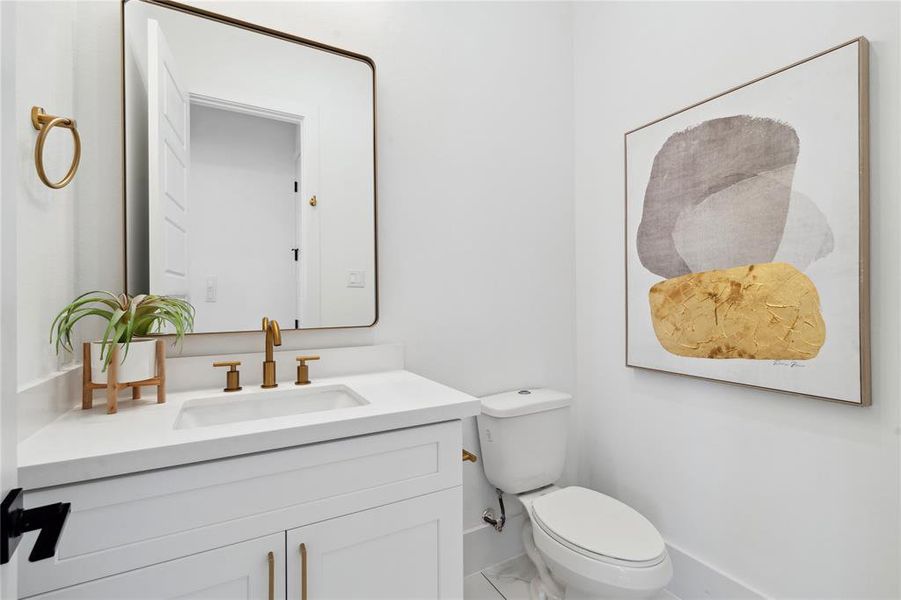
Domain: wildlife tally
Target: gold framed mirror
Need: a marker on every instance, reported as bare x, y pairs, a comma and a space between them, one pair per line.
250, 171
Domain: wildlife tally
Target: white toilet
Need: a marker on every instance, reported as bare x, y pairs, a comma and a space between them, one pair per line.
595, 546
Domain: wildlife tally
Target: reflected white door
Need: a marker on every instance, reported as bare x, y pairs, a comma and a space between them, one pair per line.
168, 163
308, 226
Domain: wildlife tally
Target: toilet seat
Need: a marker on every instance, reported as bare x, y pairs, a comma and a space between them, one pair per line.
598, 527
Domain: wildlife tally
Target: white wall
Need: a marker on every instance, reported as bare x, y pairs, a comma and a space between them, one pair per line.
46, 217
68, 240
795, 497
242, 223
61, 239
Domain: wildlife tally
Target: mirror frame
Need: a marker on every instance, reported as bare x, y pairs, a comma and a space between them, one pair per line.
287, 37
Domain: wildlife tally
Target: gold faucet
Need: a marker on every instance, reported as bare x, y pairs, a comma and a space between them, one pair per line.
273, 338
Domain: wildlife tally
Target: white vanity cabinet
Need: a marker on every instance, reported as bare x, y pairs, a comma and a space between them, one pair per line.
236, 572
380, 516
407, 550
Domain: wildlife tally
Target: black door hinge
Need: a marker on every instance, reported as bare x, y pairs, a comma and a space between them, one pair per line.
16, 521
296, 324
296, 252
295, 187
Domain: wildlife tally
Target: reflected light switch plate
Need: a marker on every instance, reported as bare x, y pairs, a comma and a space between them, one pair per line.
356, 279
211, 287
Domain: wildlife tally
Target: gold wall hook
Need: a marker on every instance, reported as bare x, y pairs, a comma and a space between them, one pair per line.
44, 123
469, 456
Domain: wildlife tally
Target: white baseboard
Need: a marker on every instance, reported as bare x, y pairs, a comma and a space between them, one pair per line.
484, 547
693, 579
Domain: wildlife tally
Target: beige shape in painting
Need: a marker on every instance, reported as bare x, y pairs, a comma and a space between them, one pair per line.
738, 225
768, 311
807, 236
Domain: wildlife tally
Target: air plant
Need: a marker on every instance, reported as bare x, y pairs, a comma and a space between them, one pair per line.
127, 317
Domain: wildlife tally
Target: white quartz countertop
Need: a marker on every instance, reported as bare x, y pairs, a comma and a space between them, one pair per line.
90, 444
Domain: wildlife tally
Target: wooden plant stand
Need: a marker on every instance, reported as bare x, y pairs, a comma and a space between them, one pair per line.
112, 386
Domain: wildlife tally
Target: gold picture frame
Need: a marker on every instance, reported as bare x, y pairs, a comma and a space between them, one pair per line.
865, 392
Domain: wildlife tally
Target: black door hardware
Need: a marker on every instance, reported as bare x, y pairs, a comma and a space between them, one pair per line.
16, 521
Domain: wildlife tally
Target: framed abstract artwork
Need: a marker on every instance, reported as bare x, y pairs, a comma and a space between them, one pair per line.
747, 233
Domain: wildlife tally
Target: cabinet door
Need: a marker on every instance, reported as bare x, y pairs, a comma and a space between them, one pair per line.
411, 549
238, 572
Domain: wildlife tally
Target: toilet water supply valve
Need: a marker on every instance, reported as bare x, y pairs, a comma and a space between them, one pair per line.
489, 517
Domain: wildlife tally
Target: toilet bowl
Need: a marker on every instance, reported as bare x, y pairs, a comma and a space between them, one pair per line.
585, 545
596, 546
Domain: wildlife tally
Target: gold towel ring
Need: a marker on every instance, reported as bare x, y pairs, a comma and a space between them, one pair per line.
44, 123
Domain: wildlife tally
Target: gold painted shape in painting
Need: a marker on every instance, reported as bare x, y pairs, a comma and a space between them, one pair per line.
767, 311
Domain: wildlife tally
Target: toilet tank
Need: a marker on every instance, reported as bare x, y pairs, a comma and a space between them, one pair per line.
523, 438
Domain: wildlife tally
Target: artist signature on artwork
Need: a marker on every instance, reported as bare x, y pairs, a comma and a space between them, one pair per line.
788, 363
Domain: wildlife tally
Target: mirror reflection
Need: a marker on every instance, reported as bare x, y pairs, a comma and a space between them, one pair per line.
250, 173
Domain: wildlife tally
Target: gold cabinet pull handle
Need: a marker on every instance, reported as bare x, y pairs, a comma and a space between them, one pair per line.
271, 558
44, 123
469, 456
303, 572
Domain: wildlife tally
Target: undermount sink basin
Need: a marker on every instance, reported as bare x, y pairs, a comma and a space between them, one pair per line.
220, 410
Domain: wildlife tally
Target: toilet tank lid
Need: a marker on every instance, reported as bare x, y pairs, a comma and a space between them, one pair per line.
524, 402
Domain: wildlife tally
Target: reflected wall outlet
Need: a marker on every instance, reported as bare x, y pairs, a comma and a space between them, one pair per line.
211, 285
356, 279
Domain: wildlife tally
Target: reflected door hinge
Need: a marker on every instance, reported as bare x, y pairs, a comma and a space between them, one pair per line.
296, 323
295, 187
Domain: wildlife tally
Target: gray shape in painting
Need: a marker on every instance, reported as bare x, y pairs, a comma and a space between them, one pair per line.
701, 161
807, 236
734, 226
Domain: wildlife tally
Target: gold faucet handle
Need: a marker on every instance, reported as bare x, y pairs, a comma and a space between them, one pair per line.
303, 371
233, 376
228, 363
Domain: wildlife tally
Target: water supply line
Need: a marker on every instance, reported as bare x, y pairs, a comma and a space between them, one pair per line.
489, 517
